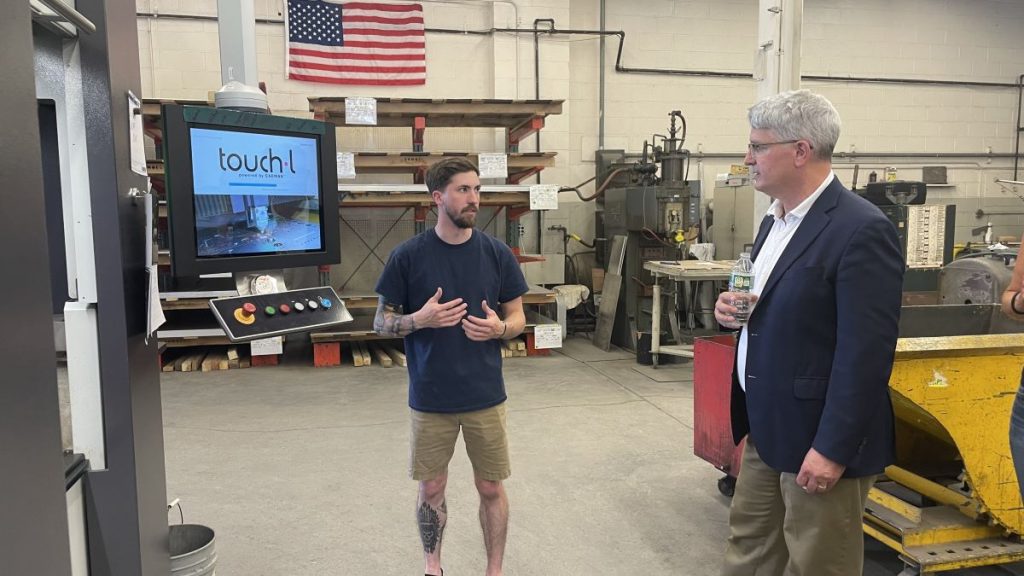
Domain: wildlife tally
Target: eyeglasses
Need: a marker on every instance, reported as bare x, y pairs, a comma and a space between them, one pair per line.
757, 148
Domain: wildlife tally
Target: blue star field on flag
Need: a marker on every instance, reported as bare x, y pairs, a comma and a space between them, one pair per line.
314, 22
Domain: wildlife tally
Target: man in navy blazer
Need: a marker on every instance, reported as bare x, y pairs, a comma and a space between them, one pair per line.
811, 383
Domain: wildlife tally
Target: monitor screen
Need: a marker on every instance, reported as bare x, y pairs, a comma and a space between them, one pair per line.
248, 191
254, 193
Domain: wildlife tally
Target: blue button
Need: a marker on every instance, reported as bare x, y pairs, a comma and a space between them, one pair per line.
326, 303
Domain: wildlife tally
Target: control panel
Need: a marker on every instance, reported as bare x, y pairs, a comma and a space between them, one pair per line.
256, 316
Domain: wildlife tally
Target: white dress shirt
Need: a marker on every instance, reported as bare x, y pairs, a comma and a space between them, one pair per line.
783, 230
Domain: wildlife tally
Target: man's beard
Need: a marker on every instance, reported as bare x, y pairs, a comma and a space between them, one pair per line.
467, 219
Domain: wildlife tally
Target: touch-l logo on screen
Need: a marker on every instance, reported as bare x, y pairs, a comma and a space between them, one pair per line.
268, 163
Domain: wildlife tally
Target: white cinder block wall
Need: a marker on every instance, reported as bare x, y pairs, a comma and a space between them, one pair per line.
954, 40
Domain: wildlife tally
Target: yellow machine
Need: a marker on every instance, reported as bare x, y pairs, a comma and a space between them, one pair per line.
952, 499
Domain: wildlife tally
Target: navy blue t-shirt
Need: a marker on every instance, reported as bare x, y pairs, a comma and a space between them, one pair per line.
448, 372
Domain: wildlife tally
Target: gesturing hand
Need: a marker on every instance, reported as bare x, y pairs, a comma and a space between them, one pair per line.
437, 314
480, 329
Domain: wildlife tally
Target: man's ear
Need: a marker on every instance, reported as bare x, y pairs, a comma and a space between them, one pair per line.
436, 197
804, 153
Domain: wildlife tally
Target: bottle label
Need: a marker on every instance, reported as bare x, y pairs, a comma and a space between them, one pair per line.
741, 282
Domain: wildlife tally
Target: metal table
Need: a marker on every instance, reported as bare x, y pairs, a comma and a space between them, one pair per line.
685, 272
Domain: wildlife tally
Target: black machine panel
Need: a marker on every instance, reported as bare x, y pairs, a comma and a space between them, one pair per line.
900, 192
256, 316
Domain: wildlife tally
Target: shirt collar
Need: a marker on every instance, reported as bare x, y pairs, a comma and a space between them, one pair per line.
798, 213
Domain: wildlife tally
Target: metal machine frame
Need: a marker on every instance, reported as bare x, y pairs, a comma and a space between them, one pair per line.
658, 209
125, 491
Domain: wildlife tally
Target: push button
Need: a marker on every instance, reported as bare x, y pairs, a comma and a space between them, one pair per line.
246, 314
299, 306
326, 303
270, 310
284, 308
312, 304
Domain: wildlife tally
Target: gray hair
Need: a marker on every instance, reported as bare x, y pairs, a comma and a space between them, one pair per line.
799, 115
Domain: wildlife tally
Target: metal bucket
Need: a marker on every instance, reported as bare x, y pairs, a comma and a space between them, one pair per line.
192, 550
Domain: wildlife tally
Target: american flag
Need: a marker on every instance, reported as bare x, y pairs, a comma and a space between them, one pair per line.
363, 43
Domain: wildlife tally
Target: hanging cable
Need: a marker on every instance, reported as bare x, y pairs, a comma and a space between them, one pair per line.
600, 189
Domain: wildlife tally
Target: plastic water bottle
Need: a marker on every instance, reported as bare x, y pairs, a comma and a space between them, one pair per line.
741, 280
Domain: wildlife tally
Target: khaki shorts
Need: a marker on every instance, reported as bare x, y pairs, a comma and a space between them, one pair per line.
484, 431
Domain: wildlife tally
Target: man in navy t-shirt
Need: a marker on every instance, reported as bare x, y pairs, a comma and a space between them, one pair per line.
441, 290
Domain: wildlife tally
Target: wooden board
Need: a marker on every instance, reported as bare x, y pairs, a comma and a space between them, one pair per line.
213, 360
193, 362
381, 356
370, 163
196, 341
396, 355
403, 112
537, 295
423, 199
413, 162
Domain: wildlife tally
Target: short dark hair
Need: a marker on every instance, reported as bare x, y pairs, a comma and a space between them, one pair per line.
440, 174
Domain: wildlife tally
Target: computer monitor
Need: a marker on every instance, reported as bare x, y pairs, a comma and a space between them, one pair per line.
248, 191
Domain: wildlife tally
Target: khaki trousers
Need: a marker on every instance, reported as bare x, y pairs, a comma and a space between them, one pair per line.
777, 529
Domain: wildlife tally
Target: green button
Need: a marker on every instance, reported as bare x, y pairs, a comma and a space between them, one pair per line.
270, 310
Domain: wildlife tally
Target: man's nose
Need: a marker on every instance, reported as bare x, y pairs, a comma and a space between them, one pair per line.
748, 159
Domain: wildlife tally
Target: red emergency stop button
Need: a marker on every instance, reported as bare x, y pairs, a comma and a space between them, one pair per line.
246, 314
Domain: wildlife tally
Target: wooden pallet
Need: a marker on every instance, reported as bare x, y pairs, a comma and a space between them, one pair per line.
465, 113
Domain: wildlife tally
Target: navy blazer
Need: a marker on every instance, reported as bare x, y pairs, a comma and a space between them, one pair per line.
821, 341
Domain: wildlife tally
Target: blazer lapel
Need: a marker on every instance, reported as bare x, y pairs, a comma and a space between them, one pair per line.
813, 223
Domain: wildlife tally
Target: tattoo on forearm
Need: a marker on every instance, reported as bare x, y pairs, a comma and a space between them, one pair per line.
390, 321
431, 525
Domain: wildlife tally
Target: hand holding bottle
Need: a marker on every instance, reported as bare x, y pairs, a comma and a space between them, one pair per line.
733, 307
728, 314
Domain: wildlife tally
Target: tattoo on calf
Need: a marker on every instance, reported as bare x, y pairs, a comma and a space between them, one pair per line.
431, 528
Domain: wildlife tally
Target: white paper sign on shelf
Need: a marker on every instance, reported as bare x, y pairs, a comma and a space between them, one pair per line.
547, 336
544, 197
136, 135
493, 165
266, 346
361, 111
346, 165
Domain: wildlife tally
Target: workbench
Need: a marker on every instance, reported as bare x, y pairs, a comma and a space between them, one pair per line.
685, 272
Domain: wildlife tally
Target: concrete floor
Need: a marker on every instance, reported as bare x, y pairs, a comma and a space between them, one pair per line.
303, 471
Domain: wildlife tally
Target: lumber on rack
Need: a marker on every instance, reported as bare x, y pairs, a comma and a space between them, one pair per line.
213, 361
396, 355
193, 362
381, 355
367, 359
357, 356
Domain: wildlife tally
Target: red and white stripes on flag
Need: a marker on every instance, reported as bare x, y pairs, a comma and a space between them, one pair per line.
362, 43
